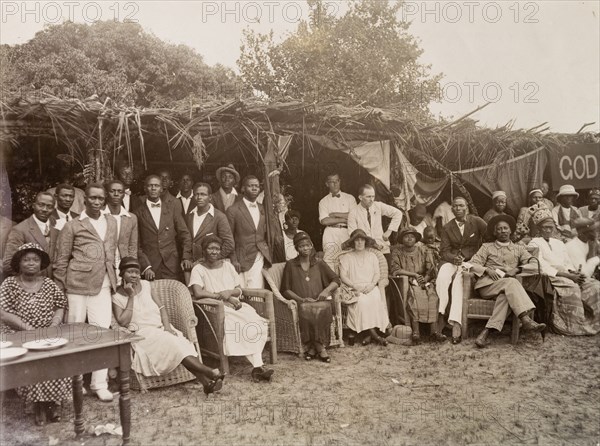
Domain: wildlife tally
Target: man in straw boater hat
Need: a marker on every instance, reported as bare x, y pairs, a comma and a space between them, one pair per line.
498, 205
333, 214
564, 213
576, 309
227, 177
496, 264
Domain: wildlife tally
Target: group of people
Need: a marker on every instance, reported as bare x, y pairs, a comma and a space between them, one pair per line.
94, 265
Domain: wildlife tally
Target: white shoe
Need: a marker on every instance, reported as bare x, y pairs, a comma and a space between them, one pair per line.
104, 395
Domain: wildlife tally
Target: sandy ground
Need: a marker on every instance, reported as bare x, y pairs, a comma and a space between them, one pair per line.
532, 393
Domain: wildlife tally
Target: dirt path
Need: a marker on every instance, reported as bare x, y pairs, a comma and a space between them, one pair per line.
533, 393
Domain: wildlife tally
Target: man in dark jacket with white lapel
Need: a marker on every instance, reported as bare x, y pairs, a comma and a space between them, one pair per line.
165, 245
249, 227
84, 268
204, 220
37, 229
186, 194
65, 197
461, 239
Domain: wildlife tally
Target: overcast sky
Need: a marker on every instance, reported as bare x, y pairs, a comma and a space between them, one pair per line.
536, 61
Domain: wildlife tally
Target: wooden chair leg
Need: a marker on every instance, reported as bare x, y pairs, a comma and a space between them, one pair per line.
514, 337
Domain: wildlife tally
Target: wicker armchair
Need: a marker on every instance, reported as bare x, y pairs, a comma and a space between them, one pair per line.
476, 308
178, 303
286, 315
383, 277
211, 328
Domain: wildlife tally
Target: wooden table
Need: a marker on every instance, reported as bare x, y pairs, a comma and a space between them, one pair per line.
89, 348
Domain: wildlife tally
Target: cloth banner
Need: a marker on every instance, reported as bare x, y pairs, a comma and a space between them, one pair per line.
415, 184
516, 177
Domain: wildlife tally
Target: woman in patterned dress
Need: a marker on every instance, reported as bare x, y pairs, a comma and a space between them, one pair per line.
417, 263
29, 301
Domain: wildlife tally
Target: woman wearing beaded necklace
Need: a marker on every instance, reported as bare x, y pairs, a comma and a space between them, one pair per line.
311, 282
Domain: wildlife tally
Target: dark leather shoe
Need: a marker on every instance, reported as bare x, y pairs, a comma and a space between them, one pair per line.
438, 337
456, 340
262, 374
482, 340
530, 325
40, 413
53, 412
213, 386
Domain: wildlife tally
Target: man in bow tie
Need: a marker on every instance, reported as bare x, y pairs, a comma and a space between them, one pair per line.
461, 238
333, 214
249, 228
165, 245
205, 219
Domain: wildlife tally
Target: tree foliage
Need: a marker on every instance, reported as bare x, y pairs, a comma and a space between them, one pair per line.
367, 55
112, 59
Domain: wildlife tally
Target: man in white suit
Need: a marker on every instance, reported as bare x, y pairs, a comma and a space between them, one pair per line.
367, 216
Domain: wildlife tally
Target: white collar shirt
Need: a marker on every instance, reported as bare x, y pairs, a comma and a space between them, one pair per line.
228, 198
44, 226
254, 212
100, 225
155, 211
199, 219
185, 201
127, 199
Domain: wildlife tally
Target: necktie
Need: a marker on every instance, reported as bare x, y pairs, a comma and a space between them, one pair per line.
369, 217
47, 233
155, 205
460, 223
67, 217
253, 205
335, 195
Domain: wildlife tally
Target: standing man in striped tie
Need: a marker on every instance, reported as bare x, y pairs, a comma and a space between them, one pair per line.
333, 214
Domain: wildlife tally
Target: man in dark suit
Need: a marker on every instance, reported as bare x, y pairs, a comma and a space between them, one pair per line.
37, 229
186, 194
65, 196
163, 235
204, 220
461, 238
249, 227
127, 226
223, 198
84, 268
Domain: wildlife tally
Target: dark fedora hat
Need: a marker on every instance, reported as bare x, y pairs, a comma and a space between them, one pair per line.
491, 227
359, 233
128, 262
24, 249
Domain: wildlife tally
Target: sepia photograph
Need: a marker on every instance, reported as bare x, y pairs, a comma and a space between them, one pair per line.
299, 222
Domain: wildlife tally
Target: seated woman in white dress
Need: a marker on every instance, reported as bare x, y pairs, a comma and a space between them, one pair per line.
163, 347
359, 270
245, 331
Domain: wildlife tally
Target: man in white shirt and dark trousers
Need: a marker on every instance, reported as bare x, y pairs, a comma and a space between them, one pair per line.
249, 228
333, 214
367, 216
84, 269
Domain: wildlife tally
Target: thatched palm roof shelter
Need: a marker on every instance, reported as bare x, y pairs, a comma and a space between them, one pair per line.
96, 134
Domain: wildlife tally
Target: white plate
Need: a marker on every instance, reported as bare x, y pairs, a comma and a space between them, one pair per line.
45, 344
12, 353
5, 344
